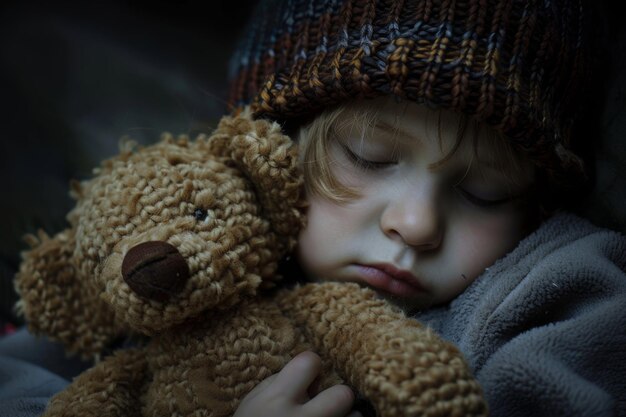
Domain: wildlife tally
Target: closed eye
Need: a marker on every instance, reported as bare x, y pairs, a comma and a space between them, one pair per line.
363, 163
483, 202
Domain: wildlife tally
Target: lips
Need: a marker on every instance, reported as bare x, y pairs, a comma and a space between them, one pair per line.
389, 279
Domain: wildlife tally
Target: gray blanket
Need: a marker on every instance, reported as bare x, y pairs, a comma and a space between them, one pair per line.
544, 328
32, 370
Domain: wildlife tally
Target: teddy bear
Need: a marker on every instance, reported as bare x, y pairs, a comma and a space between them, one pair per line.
167, 278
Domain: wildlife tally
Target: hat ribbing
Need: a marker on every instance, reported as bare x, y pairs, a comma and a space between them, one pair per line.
514, 64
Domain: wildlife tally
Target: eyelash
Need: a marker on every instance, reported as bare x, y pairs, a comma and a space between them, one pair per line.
368, 165
364, 163
481, 202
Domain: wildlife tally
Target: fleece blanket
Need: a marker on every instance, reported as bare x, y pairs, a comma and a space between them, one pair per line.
32, 370
544, 328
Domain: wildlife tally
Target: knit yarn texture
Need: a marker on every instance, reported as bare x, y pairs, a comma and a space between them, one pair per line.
218, 213
197, 197
514, 64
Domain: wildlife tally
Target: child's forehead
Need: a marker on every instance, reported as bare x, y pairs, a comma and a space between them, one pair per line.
411, 124
404, 119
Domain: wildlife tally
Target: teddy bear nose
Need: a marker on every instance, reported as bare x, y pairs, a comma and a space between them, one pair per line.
155, 270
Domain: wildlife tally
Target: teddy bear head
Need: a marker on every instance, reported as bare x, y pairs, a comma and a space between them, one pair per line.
165, 232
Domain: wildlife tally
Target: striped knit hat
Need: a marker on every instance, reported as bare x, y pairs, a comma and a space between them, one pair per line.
514, 64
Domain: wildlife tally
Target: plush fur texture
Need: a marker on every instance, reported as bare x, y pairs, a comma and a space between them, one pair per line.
179, 242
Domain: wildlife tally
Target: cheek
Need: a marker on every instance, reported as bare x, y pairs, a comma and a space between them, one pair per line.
327, 224
481, 243
310, 243
323, 218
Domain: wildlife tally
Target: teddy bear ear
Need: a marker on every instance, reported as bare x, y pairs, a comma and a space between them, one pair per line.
270, 160
56, 303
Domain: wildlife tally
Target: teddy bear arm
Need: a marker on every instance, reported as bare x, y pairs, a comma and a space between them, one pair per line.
112, 388
56, 301
400, 366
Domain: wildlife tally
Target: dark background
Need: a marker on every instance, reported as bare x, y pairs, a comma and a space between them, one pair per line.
77, 77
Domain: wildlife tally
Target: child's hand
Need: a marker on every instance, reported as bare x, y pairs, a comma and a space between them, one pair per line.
285, 394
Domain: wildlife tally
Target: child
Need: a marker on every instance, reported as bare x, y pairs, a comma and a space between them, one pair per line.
438, 147
437, 142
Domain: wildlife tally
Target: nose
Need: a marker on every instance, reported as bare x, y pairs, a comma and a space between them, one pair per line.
414, 218
155, 270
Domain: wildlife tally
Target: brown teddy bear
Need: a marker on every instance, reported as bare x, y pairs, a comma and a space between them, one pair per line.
179, 242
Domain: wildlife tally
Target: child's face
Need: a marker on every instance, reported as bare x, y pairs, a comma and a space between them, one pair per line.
417, 235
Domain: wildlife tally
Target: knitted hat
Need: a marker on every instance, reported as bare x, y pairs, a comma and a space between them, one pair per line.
514, 64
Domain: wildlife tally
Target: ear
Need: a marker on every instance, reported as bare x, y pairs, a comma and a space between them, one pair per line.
56, 302
270, 160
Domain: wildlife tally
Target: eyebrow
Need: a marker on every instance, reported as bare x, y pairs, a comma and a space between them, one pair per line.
389, 128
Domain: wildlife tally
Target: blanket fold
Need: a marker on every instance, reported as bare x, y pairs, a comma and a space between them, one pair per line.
544, 328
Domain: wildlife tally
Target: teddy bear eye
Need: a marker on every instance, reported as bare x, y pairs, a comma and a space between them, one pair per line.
200, 214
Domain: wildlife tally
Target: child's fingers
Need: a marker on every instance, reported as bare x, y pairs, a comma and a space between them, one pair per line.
335, 401
261, 386
298, 374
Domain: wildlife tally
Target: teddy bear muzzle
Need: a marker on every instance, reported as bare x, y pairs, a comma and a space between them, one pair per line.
155, 270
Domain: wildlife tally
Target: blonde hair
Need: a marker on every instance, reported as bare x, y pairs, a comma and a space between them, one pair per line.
315, 138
